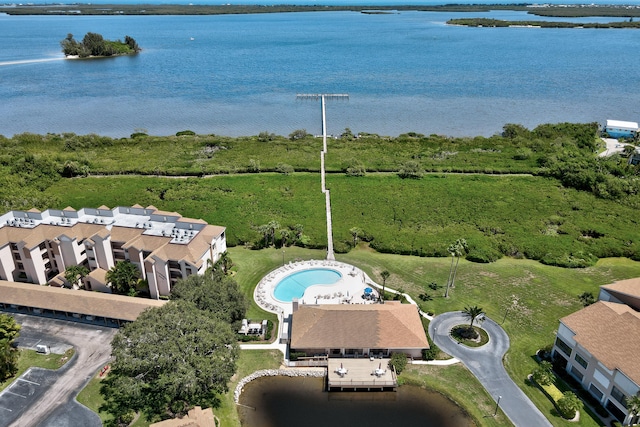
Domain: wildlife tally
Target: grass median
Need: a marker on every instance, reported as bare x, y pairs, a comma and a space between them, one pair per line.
32, 359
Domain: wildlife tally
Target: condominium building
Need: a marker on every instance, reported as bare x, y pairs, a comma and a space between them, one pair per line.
37, 247
599, 346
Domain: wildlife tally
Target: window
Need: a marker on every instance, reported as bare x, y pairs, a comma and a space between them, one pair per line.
563, 346
618, 395
20, 266
42, 245
576, 373
596, 392
14, 247
615, 411
581, 361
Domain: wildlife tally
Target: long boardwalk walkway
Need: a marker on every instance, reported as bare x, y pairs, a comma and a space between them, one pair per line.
327, 194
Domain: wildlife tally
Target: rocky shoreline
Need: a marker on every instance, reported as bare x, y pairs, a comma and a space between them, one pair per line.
315, 373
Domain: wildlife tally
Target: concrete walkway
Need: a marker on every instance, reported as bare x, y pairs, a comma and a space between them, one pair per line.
486, 364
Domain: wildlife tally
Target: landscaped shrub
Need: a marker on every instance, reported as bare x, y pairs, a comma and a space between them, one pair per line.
269, 331
483, 254
432, 351
398, 361
284, 169
569, 404
577, 260
543, 374
411, 169
293, 356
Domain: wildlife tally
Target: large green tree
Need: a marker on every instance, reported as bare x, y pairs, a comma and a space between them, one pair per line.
9, 331
215, 293
170, 359
123, 278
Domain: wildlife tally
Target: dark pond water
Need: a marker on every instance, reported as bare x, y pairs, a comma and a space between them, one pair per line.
283, 402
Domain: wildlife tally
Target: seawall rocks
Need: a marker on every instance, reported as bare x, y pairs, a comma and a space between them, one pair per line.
316, 373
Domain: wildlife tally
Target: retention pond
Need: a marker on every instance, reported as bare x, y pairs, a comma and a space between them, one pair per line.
286, 401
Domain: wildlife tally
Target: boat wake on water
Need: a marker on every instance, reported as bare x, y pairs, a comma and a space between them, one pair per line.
29, 61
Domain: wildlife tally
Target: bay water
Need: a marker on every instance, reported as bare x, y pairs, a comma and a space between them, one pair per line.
239, 74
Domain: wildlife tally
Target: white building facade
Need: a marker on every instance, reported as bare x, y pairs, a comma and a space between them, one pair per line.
37, 247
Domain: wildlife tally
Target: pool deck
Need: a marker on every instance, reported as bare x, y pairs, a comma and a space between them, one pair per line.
348, 290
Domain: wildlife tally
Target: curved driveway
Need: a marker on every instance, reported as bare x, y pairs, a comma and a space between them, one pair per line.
486, 364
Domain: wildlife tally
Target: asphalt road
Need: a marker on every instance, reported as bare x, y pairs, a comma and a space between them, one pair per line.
486, 364
42, 397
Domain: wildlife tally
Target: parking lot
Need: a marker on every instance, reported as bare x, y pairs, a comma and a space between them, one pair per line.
42, 397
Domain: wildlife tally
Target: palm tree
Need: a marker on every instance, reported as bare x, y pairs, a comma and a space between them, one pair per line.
75, 273
472, 312
633, 406
355, 233
385, 275
264, 231
569, 404
225, 262
123, 277
457, 250
461, 249
273, 226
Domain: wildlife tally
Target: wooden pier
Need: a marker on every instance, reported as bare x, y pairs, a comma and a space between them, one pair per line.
360, 375
317, 96
323, 97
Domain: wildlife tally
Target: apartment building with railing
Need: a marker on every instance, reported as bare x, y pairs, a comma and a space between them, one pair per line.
37, 247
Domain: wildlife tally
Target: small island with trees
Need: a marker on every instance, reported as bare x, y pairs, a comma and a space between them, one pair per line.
95, 46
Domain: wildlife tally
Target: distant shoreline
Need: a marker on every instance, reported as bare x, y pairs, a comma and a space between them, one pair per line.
499, 23
569, 11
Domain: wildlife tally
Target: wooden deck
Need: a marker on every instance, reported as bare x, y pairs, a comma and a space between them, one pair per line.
360, 375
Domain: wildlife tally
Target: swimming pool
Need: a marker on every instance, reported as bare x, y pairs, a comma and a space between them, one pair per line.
294, 285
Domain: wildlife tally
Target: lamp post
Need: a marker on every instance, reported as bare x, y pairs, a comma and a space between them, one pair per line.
283, 257
497, 405
505, 315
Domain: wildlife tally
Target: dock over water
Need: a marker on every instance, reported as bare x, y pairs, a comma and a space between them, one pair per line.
361, 375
